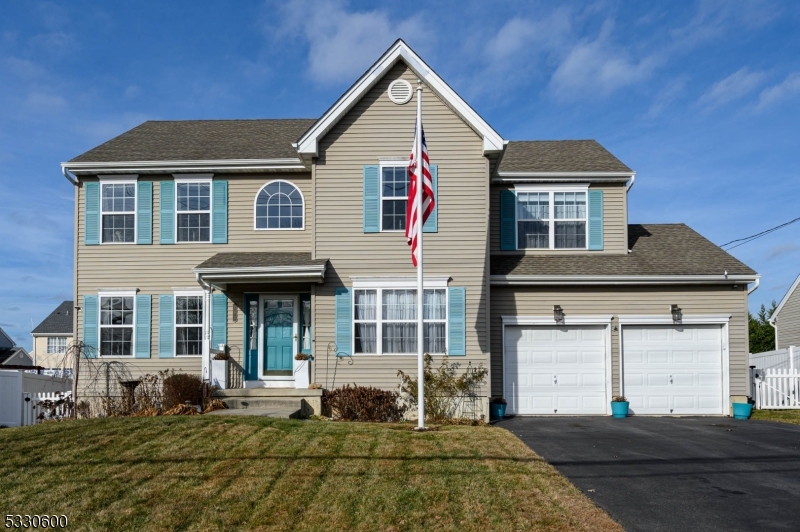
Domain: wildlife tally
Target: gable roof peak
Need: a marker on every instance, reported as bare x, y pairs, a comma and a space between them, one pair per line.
308, 145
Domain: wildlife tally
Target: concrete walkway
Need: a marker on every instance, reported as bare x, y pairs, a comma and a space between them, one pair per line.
676, 474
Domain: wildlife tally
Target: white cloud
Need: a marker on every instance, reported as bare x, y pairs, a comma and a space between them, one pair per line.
342, 44
668, 94
520, 36
733, 87
598, 68
783, 249
785, 89
43, 102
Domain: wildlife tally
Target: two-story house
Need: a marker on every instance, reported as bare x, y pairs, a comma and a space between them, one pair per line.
268, 238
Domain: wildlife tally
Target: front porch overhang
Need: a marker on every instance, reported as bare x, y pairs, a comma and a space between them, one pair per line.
225, 269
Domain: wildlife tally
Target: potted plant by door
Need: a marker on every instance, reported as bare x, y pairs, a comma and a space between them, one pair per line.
219, 369
619, 407
302, 375
497, 407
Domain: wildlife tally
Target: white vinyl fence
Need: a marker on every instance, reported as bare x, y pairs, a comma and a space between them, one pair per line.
27, 397
786, 358
777, 388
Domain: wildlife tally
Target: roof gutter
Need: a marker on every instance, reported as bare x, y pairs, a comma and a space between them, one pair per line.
581, 177
755, 286
629, 186
185, 166
65, 171
561, 280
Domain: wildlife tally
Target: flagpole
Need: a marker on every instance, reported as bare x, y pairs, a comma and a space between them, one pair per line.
420, 293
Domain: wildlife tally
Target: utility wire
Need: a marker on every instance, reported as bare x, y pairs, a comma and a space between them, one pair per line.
747, 239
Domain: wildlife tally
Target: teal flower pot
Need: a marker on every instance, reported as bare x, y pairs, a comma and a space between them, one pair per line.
496, 411
619, 409
742, 410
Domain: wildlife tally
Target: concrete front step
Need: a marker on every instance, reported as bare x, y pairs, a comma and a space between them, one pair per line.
262, 402
283, 413
281, 400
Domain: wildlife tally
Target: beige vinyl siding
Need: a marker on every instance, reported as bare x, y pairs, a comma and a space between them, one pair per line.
625, 300
788, 323
40, 356
159, 269
376, 128
615, 221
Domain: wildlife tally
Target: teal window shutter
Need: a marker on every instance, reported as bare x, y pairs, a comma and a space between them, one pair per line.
219, 320
372, 199
344, 311
91, 214
432, 223
508, 220
90, 326
457, 321
166, 326
144, 212
167, 218
595, 220
143, 307
219, 213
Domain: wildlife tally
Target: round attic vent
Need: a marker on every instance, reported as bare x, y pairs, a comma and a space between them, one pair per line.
400, 91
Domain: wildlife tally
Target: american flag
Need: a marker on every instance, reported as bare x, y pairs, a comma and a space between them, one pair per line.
428, 201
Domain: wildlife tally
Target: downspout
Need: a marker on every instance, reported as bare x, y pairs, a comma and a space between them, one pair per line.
206, 327
629, 186
755, 286
65, 171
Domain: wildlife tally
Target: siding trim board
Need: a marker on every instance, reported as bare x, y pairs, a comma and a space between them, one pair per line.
619, 279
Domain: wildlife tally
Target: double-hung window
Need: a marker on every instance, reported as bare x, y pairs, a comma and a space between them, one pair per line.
385, 320
56, 345
189, 325
193, 210
116, 325
551, 219
394, 197
118, 211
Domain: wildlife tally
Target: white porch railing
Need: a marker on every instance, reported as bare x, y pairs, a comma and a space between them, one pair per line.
777, 389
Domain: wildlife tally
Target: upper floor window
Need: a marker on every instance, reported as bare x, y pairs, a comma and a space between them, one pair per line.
279, 205
193, 211
56, 345
555, 219
118, 212
394, 197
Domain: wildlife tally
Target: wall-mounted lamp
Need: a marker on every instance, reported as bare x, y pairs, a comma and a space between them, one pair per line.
677, 313
558, 314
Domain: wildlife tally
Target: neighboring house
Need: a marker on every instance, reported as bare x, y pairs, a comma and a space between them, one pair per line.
11, 354
273, 237
786, 318
52, 337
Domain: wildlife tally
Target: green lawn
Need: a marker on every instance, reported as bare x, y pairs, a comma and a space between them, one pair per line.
782, 416
216, 473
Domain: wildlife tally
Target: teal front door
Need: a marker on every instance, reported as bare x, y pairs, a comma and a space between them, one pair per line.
278, 337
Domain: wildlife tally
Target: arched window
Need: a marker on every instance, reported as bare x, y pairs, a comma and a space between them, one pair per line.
279, 205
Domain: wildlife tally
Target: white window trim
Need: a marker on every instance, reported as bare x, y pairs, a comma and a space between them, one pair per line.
55, 339
255, 206
192, 293
195, 178
398, 282
127, 179
100, 296
387, 163
551, 189
400, 285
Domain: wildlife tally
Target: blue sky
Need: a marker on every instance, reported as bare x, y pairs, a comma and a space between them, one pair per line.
702, 99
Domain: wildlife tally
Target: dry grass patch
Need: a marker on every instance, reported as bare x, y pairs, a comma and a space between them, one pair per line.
782, 416
208, 473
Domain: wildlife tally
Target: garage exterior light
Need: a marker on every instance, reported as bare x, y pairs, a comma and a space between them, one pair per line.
677, 313
558, 314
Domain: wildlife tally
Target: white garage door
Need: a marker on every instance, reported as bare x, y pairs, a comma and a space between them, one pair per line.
555, 370
673, 369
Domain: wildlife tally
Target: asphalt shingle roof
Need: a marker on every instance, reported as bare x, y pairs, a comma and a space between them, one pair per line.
559, 156
260, 260
656, 249
7, 353
59, 321
187, 140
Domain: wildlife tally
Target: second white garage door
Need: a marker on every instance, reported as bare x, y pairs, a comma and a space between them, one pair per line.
673, 369
555, 370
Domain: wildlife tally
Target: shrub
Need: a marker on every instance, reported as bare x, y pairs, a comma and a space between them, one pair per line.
361, 403
182, 387
445, 387
618, 399
497, 400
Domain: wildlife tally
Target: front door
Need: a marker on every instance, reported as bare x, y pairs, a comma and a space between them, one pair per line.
278, 337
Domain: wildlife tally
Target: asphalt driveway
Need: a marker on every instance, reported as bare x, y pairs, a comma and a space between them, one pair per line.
676, 474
